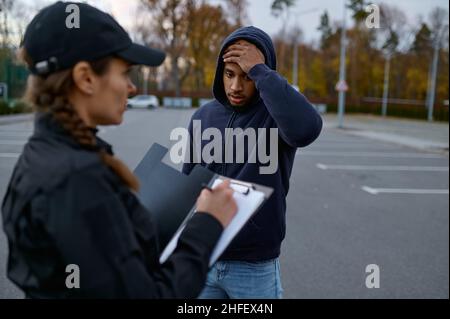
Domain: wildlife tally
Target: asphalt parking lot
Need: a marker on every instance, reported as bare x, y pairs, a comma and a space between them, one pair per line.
353, 201
356, 202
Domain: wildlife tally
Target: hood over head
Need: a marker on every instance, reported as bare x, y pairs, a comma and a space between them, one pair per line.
253, 35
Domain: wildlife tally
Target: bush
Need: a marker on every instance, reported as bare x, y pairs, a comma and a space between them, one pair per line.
21, 107
16, 107
4, 108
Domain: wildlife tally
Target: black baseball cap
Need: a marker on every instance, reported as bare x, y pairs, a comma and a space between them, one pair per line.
53, 45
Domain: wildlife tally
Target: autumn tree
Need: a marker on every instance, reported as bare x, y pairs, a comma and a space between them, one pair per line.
422, 41
361, 53
208, 28
237, 11
325, 29
393, 22
281, 9
358, 9
171, 22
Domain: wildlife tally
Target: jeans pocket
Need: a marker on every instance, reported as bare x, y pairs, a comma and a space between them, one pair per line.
257, 280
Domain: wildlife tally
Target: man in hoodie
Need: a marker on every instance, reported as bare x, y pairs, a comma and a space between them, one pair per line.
251, 95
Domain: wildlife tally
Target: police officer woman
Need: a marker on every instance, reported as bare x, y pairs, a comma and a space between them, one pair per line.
70, 201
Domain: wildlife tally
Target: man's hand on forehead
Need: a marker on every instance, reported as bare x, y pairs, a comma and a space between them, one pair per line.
240, 44
245, 54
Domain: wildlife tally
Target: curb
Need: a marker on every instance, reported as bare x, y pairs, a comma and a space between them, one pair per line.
423, 145
10, 119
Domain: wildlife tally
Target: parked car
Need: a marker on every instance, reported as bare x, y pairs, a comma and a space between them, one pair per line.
143, 101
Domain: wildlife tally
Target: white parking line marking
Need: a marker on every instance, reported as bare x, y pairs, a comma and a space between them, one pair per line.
382, 168
340, 144
376, 191
9, 155
349, 148
12, 142
339, 141
369, 154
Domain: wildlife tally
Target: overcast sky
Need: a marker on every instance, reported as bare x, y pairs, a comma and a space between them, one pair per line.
307, 12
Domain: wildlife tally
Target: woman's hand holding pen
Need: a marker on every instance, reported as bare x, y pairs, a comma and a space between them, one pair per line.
218, 202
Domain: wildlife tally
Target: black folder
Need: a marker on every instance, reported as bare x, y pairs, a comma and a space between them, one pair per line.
167, 193
171, 195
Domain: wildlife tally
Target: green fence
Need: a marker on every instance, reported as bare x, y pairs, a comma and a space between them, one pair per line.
15, 77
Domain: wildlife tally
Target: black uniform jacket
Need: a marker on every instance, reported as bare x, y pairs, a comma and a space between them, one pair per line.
63, 206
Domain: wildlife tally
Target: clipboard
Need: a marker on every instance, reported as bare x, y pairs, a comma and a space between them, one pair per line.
161, 184
249, 198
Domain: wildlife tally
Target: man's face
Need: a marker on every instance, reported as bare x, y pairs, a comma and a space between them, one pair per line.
239, 88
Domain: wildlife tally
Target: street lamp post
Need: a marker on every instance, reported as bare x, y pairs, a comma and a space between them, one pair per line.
387, 67
341, 107
440, 34
432, 82
145, 73
295, 66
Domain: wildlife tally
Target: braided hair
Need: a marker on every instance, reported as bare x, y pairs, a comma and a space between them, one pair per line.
50, 94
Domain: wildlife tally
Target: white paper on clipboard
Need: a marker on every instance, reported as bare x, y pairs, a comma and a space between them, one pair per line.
247, 205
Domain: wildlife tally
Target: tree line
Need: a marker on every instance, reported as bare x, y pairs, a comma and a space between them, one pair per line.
191, 33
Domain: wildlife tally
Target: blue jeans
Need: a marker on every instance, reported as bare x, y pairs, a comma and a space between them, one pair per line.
243, 280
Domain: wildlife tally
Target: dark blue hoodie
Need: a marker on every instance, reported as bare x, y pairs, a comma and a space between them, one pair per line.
277, 105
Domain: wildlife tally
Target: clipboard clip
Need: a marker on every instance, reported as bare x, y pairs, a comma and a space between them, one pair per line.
238, 186
242, 187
